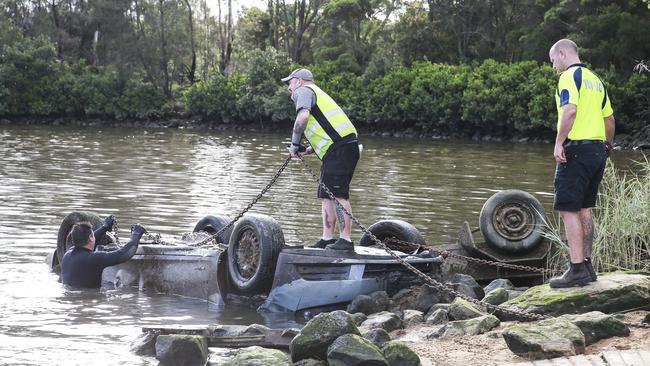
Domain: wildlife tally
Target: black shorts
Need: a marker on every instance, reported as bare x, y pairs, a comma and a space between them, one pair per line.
338, 167
577, 180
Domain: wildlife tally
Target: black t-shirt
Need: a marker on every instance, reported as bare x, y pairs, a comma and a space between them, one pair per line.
81, 267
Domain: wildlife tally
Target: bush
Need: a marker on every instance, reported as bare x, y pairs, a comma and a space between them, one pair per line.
140, 99
215, 98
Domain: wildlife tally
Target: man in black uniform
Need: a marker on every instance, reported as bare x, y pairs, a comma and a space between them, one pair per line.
82, 266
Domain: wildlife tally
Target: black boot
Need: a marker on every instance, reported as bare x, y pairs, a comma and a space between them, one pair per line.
590, 269
321, 244
341, 244
577, 275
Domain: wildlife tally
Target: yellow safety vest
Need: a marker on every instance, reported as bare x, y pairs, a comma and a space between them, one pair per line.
327, 123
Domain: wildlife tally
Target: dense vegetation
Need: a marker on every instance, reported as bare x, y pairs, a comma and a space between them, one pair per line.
466, 66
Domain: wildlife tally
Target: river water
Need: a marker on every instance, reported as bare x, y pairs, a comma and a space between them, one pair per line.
169, 179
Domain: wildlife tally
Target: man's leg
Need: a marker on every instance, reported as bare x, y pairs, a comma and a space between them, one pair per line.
588, 229
329, 218
574, 235
345, 222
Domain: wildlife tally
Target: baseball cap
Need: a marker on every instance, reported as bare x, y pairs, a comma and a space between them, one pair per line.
300, 74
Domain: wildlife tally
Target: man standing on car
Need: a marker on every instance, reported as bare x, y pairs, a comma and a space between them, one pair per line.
585, 132
333, 138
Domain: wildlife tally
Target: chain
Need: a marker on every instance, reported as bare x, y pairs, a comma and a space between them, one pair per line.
427, 279
401, 244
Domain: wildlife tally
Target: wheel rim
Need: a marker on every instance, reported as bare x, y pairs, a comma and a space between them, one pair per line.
513, 220
248, 254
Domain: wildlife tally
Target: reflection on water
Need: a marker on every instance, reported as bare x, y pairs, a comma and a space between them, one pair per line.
169, 179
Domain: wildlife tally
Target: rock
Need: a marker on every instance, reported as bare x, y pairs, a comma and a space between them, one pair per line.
464, 289
472, 326
258, 356
426, 297
646, 319
469, 281
377, 336
359, 318
435, 307
402, 299
399, 354
181, 349
384, 320
310, 362
255, 329
596, 326
363, 304
353, 350
503, 283
611, 293
5, 121
496, 296
513, 294
319, 333
145, 344
412, 317
547, 339
462, 309
439, 316
381, 300
290, 332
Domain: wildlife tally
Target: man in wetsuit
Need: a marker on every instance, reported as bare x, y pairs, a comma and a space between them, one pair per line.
82, 266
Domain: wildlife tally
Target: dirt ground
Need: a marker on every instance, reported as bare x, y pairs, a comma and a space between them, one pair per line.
491, 348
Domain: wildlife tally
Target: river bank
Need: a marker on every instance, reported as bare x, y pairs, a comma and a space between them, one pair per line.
635, 140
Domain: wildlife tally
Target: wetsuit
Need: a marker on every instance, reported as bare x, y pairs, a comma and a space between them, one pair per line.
81, 267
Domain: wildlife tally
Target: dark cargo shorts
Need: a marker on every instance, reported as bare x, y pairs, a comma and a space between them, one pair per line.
338, 167
577, 180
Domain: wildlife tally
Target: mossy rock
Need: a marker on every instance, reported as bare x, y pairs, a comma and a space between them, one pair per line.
354, 350
258, 356
547, 339
399, 354
611, 293
317, 335
596, 326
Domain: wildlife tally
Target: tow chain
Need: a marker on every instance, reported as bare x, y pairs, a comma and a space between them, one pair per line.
414, 246
427, 279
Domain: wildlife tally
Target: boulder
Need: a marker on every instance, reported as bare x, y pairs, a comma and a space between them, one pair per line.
359, 318
145, 344
472, 326
468, 281
255, 329
499, 283
310, 362
439, 316
412, 317
611, 293
377, 336
319, 333
353, 350
384, 320
402, 299
596, 326
435, 307
496, 297
418, 298
399, 354
462, 309
547, 339
381, 299
363, 304
258, 356
181, 350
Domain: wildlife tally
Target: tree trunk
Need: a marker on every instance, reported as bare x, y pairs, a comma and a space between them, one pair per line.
192, 70
163, 51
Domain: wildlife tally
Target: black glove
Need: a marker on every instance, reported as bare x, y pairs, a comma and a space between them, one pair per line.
296, 148
138, 230
109, 221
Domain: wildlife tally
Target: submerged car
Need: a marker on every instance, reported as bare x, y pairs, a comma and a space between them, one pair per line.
256, 260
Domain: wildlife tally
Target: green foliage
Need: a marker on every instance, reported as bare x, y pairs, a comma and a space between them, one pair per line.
214, 98
140, 99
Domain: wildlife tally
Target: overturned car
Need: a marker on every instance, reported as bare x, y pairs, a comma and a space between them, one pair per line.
252, 258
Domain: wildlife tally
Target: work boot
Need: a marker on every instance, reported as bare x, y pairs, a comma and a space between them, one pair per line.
321, 244
576, 275
341, 244
590, 269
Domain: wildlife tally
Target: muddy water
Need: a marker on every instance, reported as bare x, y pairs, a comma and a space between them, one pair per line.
168, 180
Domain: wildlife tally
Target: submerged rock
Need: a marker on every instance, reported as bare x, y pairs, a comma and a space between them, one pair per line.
259, 356
353, 350
596, 326
145, 344
181, 350
611, 293
547, 339
399, 354
317, 335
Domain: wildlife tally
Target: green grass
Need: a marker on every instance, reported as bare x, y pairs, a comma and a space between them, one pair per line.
621, 222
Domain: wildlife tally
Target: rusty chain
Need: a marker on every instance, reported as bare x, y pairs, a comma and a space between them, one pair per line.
401, 244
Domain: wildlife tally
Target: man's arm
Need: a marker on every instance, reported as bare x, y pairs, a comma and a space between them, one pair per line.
566, 123
298, 129
610, 128
107, 259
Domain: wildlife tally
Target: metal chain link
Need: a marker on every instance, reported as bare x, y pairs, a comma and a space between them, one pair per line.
427, 279
414, 246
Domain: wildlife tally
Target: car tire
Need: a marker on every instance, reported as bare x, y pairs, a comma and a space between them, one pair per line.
212, 224
62, 243
397, 229
512, 222
253, 249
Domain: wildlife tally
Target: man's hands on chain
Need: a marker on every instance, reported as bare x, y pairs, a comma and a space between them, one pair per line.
109, 221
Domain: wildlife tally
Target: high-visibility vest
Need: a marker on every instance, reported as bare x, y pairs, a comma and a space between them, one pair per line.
327, 123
